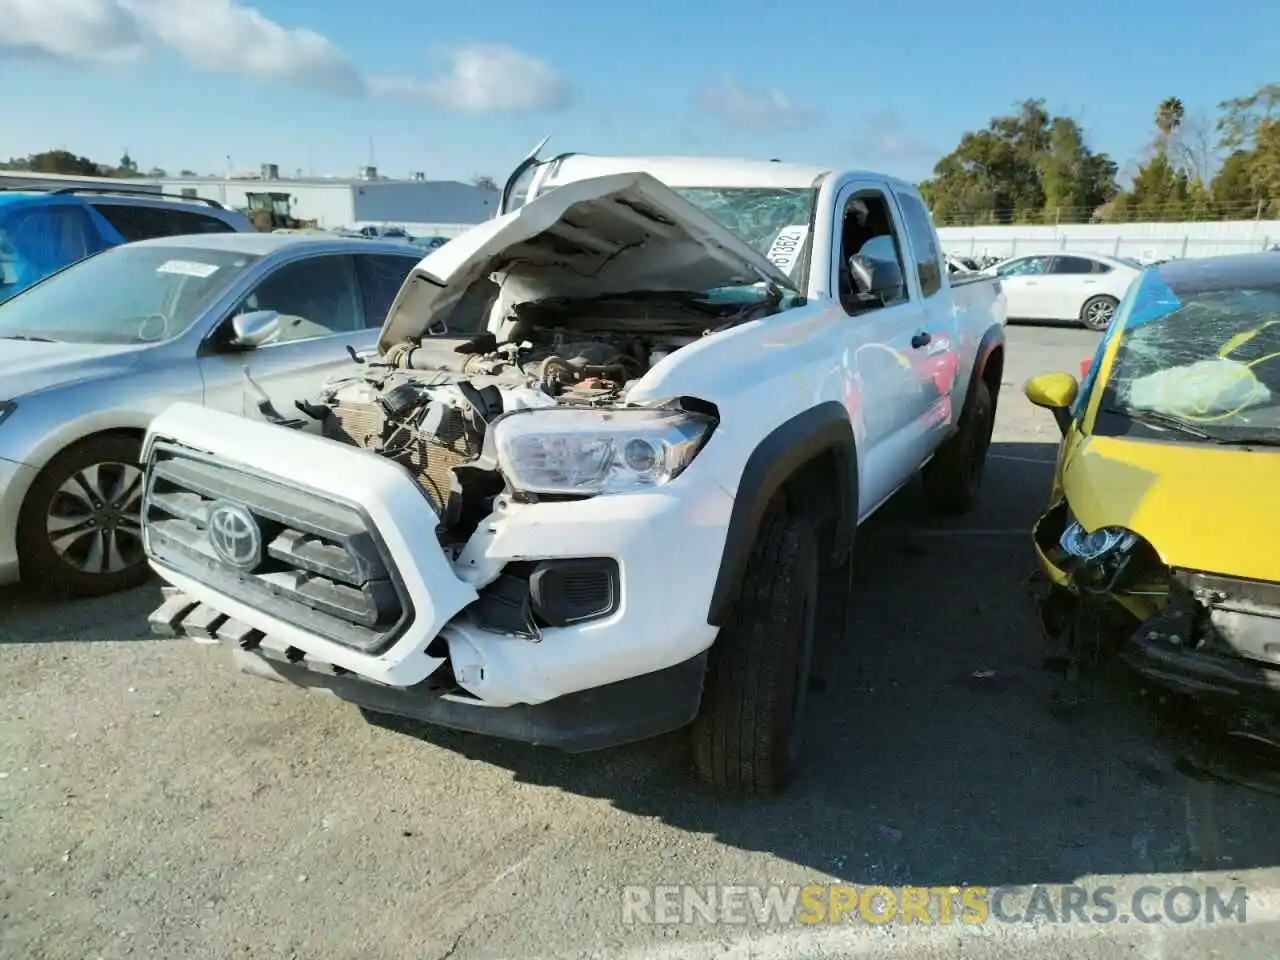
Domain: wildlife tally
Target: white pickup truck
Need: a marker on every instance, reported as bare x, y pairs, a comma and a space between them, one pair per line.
607, 468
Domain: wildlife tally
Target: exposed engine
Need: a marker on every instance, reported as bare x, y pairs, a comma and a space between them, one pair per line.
428, 410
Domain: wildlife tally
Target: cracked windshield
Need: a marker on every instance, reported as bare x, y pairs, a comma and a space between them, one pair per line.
577, 491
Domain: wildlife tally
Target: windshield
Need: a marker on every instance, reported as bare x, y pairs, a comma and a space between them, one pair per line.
128, 294
1200, 355
773, 220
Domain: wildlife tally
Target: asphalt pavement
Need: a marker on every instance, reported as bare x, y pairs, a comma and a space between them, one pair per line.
155, 803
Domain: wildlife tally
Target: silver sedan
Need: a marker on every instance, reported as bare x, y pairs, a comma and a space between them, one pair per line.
89, 355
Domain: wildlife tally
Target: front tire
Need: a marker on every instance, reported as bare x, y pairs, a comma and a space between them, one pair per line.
79, 530
746, 737
953, 477
1097, 312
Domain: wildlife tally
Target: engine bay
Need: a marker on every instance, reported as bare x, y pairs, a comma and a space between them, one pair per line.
427, 404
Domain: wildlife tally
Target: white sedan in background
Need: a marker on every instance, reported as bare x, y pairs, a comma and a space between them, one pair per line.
1085, 287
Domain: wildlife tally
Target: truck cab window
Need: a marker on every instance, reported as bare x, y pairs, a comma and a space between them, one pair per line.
868, 232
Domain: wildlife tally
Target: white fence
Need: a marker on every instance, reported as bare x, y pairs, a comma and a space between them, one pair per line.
1142, 241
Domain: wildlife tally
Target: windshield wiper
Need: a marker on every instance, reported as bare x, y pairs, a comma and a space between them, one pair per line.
1176, 424
26, 336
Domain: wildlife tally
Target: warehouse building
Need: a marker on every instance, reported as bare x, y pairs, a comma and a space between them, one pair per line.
423, 207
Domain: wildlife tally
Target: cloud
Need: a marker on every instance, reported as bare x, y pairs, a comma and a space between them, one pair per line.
88, 31
485, 78
756, 109
224, 36
883, 140
221, 36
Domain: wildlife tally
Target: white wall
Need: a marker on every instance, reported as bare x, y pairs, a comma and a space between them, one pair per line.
1142, 241
430, 202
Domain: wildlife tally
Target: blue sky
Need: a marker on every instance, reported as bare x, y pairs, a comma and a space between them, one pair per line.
467, 88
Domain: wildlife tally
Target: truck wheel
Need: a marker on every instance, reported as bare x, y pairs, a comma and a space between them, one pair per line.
79, 530
1097, 312
746, 737
954, 475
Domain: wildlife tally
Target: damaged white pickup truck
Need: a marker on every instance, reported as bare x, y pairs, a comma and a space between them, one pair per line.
606, 471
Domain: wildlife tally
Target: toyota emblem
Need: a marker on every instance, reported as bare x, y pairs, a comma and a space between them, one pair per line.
235, 535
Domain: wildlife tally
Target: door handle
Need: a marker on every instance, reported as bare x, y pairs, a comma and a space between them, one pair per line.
921, 339
1032, 283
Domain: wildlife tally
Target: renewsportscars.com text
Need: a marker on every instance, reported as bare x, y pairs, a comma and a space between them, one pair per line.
834, 904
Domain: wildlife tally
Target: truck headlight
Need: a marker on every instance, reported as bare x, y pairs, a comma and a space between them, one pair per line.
597, 451
1100, 544
6, 407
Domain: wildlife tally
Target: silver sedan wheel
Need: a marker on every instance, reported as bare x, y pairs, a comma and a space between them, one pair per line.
94, 521
1098, 314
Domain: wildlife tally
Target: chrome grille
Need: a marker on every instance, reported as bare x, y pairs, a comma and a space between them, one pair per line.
320, 565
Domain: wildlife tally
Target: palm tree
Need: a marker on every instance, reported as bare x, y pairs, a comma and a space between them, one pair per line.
1169, 116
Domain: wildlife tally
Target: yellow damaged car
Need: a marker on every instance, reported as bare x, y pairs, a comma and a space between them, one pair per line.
1162, 538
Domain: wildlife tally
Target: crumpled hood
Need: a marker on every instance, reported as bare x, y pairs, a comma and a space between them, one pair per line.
611, 234
1202, 507
27, 367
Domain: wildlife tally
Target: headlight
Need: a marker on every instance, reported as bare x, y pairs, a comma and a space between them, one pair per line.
597, 451
1102, 543
6, 407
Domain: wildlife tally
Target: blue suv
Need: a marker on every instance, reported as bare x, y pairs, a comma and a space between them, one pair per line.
44, 230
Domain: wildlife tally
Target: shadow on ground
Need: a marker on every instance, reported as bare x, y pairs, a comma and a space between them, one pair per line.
936, 753
25, 618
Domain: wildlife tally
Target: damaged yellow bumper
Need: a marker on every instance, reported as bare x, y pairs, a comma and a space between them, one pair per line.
1174, 549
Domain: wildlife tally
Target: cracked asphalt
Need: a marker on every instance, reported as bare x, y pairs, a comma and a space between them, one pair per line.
154, 803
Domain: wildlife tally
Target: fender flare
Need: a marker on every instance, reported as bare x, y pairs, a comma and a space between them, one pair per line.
991, 340
777, 457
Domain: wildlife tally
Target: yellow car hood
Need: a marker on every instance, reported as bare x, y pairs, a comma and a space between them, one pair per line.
1215, 509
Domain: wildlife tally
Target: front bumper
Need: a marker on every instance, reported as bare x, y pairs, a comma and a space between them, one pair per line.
667, 546
15, 480
622, 712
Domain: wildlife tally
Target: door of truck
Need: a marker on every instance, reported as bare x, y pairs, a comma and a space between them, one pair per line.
885, 392
935, 346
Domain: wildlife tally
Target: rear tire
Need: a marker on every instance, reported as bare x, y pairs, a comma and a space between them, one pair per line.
953, 477
746, 737
79, 530
1097, 312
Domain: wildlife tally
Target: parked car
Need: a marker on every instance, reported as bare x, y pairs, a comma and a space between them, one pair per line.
430, 243
1159, 540
1084, 287
90, 354
42, 231
604, 509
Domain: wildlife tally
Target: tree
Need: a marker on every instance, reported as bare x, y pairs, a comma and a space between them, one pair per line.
1169, 117
484, 180
1029, 166
1250, 128
64, 162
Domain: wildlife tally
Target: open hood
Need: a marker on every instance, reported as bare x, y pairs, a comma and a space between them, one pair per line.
614, 234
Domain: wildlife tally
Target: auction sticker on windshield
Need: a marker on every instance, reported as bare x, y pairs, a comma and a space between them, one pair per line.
786, 247
188, 268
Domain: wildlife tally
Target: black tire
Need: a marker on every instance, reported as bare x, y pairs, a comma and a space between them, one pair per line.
1097, 312
953, 477
65, 566
746, 737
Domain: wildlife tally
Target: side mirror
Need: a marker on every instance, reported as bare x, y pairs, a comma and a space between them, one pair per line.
254, 329
1055, 392
882, 279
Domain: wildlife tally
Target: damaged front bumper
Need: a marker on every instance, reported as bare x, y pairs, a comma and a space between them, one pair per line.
626, 711
1206, 635
1216, 637
346, 586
